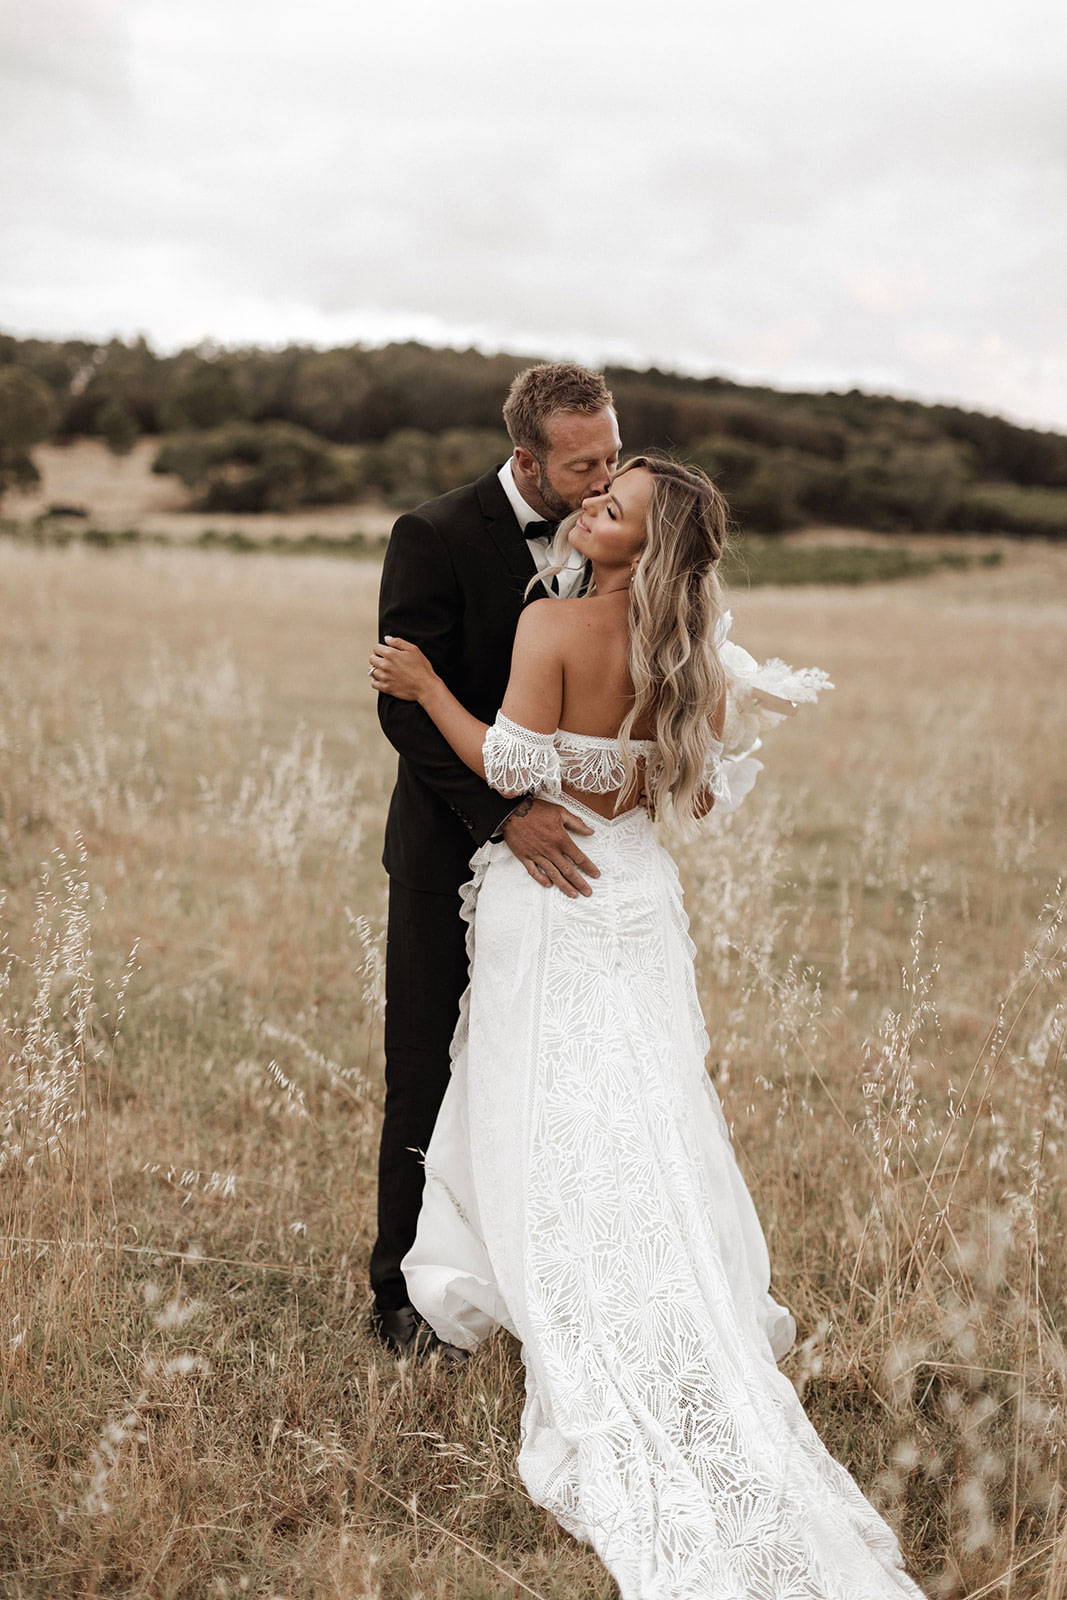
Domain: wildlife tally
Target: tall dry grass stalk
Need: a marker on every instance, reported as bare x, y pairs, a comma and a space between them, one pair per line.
190, 768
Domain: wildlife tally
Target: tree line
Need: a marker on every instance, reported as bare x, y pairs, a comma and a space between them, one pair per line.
255, 429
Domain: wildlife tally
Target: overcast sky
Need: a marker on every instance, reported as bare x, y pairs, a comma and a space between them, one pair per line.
819, 194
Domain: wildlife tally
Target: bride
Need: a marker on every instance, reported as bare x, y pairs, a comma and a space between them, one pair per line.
581, 1190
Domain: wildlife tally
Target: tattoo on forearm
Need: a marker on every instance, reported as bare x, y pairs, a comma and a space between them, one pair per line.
522, 809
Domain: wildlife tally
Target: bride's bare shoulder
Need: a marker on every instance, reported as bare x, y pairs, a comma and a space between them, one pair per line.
542, 619
565, 625
539, 631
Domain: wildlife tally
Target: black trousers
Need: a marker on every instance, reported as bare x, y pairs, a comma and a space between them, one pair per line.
425, 976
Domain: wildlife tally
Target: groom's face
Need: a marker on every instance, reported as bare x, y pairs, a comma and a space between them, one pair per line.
581, 455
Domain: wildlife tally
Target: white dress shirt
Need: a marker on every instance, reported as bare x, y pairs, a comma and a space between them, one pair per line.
540, 547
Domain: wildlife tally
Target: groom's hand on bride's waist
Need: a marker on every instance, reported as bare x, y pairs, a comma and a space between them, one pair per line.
542, 836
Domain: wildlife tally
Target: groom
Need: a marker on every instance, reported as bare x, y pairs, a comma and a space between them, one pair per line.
454, 583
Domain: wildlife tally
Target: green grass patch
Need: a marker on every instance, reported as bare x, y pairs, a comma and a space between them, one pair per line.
1018, 509
302, 544
754, 559
751, 560
59, 531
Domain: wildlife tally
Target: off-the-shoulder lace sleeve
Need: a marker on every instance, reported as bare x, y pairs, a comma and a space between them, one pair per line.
518, 760
728, 778
759, 695
712, 776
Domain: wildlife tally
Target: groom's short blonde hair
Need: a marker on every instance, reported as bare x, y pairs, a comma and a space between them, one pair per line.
539, 392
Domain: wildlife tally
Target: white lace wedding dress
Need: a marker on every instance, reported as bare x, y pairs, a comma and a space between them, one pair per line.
581, 1191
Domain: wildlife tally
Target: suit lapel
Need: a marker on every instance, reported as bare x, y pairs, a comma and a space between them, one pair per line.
504, 532
506, 535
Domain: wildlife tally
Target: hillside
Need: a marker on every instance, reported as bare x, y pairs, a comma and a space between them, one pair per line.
118, 492
253, 430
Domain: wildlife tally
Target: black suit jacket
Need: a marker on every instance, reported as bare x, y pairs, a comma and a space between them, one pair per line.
453, 583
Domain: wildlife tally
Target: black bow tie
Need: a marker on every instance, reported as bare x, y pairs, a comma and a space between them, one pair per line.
540, 530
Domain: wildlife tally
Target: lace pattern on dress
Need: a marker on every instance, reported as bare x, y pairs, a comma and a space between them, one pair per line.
714, 774
582, 1191
594, 765
518, 760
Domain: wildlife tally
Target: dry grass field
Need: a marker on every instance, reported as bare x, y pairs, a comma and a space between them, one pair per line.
192, 790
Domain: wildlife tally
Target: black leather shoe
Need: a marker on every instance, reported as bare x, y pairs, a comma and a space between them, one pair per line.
405, 1333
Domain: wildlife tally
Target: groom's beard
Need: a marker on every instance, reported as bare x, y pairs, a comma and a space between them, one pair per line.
554, 503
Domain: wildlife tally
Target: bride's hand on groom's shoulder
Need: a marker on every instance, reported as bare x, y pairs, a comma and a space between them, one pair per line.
400, 669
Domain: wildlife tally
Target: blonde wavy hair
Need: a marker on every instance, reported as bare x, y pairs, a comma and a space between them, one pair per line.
676, 602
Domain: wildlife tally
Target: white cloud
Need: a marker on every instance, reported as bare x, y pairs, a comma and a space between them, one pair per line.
822, 195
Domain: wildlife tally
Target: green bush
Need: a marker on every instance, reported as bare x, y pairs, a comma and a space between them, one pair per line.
328, 394
779, 427
731, 462
270, 466
1011, 508
411, 466
769, 491
118, 425
200, 393
891, 486
401, 467
779, 493
463, 454
27, 415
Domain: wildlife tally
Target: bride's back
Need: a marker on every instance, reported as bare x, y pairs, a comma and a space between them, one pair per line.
652, 540
597, 688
